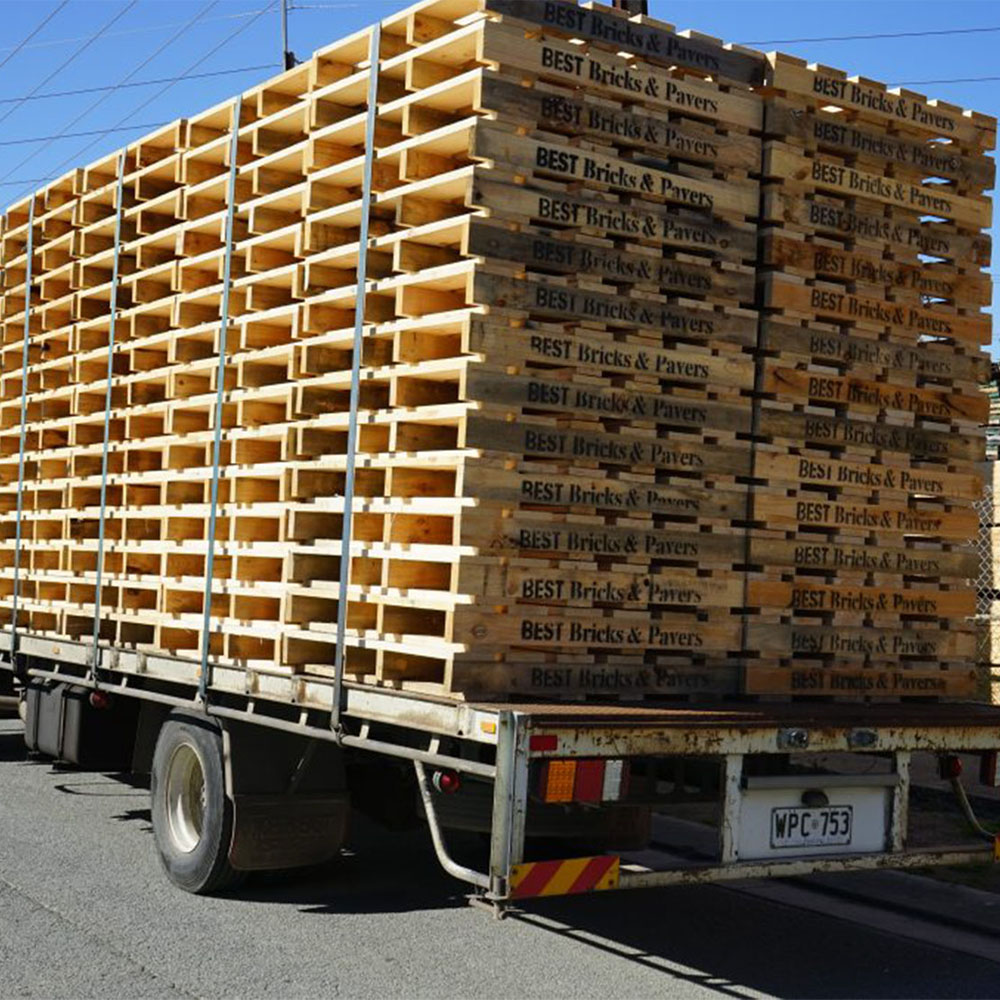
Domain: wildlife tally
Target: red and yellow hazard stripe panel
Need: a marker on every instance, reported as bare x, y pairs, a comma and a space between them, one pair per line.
561, 878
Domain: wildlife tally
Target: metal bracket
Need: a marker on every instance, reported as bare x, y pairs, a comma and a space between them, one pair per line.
220, 390
95, 653
861, 738
793, 739
347, 528
900, 802
510, 800
15, 660
732, 807
451, 866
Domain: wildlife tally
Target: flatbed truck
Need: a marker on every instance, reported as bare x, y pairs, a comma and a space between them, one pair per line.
253, 772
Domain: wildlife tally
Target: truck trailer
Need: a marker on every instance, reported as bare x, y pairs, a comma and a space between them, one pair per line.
520, 418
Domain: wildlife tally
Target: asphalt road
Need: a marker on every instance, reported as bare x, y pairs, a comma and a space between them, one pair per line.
86, 912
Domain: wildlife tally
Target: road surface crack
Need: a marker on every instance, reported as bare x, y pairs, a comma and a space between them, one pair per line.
88, 932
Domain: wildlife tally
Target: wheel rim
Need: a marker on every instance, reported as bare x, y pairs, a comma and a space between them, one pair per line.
185, 798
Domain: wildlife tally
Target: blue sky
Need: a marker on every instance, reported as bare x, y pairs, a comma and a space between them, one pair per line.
159, 39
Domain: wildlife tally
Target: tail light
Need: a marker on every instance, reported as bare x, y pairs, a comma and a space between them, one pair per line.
592, 781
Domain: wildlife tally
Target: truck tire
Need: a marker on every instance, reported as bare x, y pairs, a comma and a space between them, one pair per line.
192, 816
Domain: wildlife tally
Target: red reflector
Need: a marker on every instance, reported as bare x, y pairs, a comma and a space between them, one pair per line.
589, 783
446, 782
544, 742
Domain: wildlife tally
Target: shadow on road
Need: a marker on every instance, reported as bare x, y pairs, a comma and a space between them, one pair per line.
708, 936
711, 937
730, 942
137, 815
380, 872
12, 747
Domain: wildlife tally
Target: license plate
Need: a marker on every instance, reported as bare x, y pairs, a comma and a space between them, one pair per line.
807, 826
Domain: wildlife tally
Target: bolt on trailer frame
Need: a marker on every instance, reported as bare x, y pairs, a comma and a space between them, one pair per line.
434, 733
521, 735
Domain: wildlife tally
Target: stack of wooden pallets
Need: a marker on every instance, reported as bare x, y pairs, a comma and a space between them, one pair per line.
580, 440
871, 339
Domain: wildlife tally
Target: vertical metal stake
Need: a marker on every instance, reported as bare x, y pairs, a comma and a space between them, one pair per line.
900, 805
510, 798
352, 428
287, 56
96, 652
732, 803
24, 421
220, 390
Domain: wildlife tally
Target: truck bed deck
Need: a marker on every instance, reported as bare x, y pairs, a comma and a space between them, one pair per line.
757, 715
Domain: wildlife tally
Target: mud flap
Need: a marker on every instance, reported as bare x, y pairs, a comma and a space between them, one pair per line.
286, 831
289, 798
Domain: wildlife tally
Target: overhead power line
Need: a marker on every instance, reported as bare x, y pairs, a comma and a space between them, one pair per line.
957, 79
127, 128
139, 83
139, 30
187, 26
78, 155
881, 34
20, 45
74, 135
76, 52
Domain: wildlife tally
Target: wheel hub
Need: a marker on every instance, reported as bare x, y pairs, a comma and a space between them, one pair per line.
185, 795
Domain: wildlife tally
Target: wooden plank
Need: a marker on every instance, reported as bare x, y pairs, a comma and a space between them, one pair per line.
788, 206
882, 643
843, 558
829, 87
521, 392
569, 304
577, 114
686, 364
568, 255
810, 510
868, 396
652, 42
839, 432
594, 169
869, 681
619, 78
868, 601
788, 164
585, 587
548, 441
573, 680
532, 489
499, 532
867, 476
817, 128
932, 279
939, 362
639, 221
556, 631
816, 301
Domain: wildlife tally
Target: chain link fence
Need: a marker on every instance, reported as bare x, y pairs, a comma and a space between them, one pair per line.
987, 596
